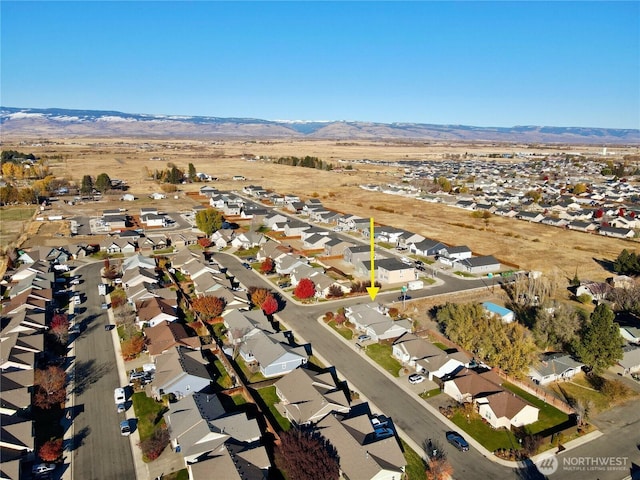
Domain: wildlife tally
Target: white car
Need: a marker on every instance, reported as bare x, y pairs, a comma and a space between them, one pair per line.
119, 395
41, 468
415, 378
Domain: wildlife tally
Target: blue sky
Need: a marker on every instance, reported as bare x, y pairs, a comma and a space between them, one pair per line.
472, 63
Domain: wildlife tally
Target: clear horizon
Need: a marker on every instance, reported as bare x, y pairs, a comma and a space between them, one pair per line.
485, 64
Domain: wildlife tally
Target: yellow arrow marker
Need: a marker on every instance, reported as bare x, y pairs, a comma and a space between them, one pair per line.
373, 290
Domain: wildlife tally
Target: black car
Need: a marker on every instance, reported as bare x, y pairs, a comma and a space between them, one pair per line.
246, 265
457, 441
401, 298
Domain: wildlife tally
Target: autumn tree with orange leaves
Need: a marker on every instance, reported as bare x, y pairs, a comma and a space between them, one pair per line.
49, 387
208, 307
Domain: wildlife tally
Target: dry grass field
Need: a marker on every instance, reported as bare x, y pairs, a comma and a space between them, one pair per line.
527, 246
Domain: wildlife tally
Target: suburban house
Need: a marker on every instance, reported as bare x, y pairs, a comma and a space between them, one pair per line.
480, 265
136, 275
426, 358
426, 247
391, 270
552, 367
180, 371
199, 424
497, 406
616, 232
248, 240
286, 264
630, 362
255, 341
598, 291
138, 261
307, 396
336, 247
372, 319
167, 335
498, 311
357, 253
294, 228
154, 310
365, 453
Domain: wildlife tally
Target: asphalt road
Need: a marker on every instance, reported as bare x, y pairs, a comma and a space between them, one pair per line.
101, 453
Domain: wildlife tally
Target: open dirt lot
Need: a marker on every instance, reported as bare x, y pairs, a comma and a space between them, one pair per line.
525, 245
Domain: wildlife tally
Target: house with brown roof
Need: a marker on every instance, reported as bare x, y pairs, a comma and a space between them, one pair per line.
499, 407
166, 335
154, 310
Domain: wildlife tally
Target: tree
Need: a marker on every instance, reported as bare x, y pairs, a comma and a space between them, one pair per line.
86, 186
600, 345
556, 325
51, 450
209, 220
132, 347
204, 242
270, 305
208, 307
49, 387
59, 327
438, 468
192, 173
305, 289
154, 445
103, 183
259, 296
267, 265
627, 263
307, 455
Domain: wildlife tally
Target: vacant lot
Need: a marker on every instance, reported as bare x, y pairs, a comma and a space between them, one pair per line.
525, 245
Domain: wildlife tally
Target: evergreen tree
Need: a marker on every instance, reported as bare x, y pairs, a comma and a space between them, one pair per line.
103, 183
192, 172
600, 345
87, 185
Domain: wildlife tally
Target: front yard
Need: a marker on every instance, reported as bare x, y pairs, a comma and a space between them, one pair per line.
149, 414
381, 354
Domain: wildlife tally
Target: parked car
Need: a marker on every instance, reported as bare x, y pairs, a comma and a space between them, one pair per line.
457, 441
136, 375
125, 429
121, 407
383, 432
119, 396
77, 300
415, 378
404, 297
41, 468
246, 265
364, 338
104, 306
285, 285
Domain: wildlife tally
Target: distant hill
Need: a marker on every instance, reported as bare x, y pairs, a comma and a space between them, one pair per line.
61, 122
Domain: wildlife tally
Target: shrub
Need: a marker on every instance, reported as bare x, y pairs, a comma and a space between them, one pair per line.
153, 446
584, 298
328, 316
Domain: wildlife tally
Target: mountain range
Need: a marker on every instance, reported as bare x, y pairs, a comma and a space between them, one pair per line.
35, 122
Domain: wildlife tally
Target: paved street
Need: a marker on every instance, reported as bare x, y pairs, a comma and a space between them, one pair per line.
101, 453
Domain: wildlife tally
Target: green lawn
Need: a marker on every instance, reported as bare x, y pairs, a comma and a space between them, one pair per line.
415, 464
238, 400
179, 475
431, 393
269, 397
441, 346
249, 252
381, 354
548, 416
16, 214
149, 414
580, 389
251, 377
344, 331
223, 380
489, 438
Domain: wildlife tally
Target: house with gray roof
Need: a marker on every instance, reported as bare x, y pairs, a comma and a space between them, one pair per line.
480, 265
630, 362
372, 319
364, 453
426, 358
307, 396
180, 371
232, 462
199, 424
552, 367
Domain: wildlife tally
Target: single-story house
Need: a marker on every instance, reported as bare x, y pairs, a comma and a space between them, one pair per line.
552, 367
180, 371
480, 265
